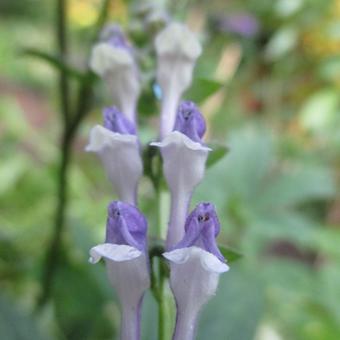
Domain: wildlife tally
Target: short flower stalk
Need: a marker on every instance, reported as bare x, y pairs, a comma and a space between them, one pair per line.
189, 249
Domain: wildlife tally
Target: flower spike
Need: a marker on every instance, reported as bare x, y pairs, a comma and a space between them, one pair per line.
195, 266
125, 256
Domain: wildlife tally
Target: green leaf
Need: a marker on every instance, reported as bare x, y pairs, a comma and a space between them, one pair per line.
296, 186
201, 89
147, 104
217, 153
320, 110
236, 310
149, 310
281, 43
15, 324
82, 285
11, 170
230, 254
55, 62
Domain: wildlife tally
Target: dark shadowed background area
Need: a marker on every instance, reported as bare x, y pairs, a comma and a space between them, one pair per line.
268, 83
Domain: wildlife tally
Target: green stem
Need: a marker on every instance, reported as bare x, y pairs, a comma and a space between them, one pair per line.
71, 125
53, 252
163, 204
62, 49
161, 303
59, 221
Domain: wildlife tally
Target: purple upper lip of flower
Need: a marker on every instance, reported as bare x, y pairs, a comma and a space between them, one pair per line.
190, 121
201, 229
115, 121
126, 225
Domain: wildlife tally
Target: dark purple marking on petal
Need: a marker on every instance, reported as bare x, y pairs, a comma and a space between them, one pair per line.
126, 225
115, 121
201, 229
190, 121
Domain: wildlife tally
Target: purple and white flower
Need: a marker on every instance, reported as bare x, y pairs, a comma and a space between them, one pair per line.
177, 49
125, 255
195, 266
184, 157
112, 59
117, 146
244, 24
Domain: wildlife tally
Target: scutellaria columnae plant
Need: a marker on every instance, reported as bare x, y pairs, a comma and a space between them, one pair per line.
190, 250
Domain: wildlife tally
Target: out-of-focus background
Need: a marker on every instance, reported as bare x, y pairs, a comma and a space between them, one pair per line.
268, 82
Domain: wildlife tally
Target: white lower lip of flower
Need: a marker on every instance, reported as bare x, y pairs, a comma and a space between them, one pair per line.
128, 273
121, 159
183, 166
114, 252
194, 276
118, 68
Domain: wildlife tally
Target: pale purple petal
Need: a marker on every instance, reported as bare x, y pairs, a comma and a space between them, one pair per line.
126, 225
115, 121
114, 35
190, 121
201, 229
244, 24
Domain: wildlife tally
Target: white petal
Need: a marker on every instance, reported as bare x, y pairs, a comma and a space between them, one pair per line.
174, 76
194, 276
183, 167
130, 278
106, 58
208, 261
121, 159
118, 68
100, 137
113, 252
177, 39
128, 273
183, 161
177, 50
180, 138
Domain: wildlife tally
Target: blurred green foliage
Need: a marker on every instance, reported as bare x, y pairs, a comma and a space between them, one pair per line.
275, 189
